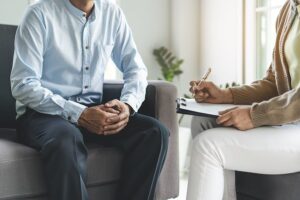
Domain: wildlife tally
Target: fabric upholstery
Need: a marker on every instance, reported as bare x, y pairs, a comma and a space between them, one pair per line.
22, 175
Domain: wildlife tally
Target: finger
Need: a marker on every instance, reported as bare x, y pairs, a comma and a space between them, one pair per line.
107, 109
193, 83
117, 118
112, 110
223, 118
90, 126
203, 85
97, 130
201, 97
112, 103
200, 94
112, 132
227, 110
228, 123
116, 125
192, 89
205, 95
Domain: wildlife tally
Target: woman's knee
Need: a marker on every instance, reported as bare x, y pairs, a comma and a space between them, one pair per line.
200, 124
207, 143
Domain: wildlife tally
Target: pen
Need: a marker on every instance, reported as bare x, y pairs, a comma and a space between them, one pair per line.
203, 78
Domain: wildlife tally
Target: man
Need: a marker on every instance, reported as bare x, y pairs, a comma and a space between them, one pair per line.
61, 50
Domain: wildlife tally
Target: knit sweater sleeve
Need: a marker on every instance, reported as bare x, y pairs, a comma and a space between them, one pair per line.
256, 92
278, 110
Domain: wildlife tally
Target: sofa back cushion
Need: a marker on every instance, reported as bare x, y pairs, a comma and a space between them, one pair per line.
7, 102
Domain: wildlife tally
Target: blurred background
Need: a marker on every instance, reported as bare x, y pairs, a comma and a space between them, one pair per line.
233, 37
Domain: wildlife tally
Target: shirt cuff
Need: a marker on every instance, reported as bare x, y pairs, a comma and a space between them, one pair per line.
132, 101
72, 111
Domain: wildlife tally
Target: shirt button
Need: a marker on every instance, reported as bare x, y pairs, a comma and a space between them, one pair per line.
86, 47
86, 87
69, 118
83, 15
78, 99
87, 68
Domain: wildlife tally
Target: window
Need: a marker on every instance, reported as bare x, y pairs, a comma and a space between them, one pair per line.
259, 33
266, 15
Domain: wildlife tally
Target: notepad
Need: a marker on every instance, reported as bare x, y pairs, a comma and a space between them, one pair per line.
191, 107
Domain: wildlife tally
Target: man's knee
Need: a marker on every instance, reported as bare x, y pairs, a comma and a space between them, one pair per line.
63, 140
161, 129
157, 132
200, 124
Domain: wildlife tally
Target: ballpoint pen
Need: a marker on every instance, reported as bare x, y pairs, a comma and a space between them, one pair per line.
202, 79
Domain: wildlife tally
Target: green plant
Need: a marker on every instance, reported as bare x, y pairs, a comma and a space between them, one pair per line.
227, 85
170, 64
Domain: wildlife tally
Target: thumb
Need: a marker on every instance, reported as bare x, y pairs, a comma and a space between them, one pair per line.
204, 85
110, 103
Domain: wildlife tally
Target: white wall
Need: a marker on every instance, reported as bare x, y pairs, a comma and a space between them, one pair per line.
204, 33
11, 11
220, 39
150, 23
185, 40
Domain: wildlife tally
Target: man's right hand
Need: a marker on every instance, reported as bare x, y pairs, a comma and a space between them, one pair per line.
208, 92
95, 118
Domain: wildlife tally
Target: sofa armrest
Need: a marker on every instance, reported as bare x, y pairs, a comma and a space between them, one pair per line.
160, 104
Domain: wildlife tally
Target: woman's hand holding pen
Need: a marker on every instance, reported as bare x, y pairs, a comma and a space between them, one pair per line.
208, 92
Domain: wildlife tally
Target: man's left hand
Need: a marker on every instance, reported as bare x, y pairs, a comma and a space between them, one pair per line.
120, 121
239, 118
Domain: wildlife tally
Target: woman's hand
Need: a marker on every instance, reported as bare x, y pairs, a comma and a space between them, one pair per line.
239, 118
208, 92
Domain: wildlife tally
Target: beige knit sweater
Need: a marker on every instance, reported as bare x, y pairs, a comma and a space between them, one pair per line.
273, 100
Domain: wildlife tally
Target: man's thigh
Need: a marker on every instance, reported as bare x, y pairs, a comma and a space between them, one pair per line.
36, 129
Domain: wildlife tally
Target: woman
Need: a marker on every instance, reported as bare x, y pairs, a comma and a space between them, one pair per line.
275, 100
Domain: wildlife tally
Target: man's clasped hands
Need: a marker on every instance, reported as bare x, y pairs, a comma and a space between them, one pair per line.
106, 119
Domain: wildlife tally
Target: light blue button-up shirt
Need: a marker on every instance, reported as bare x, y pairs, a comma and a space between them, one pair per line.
60, 58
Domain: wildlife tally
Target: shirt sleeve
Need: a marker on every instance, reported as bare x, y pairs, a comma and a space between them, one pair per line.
26, 86
127, 58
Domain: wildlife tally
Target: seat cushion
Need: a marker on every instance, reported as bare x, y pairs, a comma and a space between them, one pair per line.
251, 186
22, 175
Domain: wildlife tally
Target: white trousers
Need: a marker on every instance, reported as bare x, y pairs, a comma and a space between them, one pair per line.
218, 152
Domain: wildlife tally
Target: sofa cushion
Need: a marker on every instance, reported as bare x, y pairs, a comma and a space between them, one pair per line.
21, 169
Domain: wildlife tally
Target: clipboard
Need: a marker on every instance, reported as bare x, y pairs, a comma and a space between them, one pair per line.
191, 107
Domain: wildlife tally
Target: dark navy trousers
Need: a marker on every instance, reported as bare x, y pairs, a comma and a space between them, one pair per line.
144, 143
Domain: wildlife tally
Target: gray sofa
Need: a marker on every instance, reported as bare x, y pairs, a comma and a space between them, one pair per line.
21, 172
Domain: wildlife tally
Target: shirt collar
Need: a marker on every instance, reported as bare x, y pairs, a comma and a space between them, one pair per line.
79, 13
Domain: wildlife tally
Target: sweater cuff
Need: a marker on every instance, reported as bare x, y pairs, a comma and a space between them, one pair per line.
258, 115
